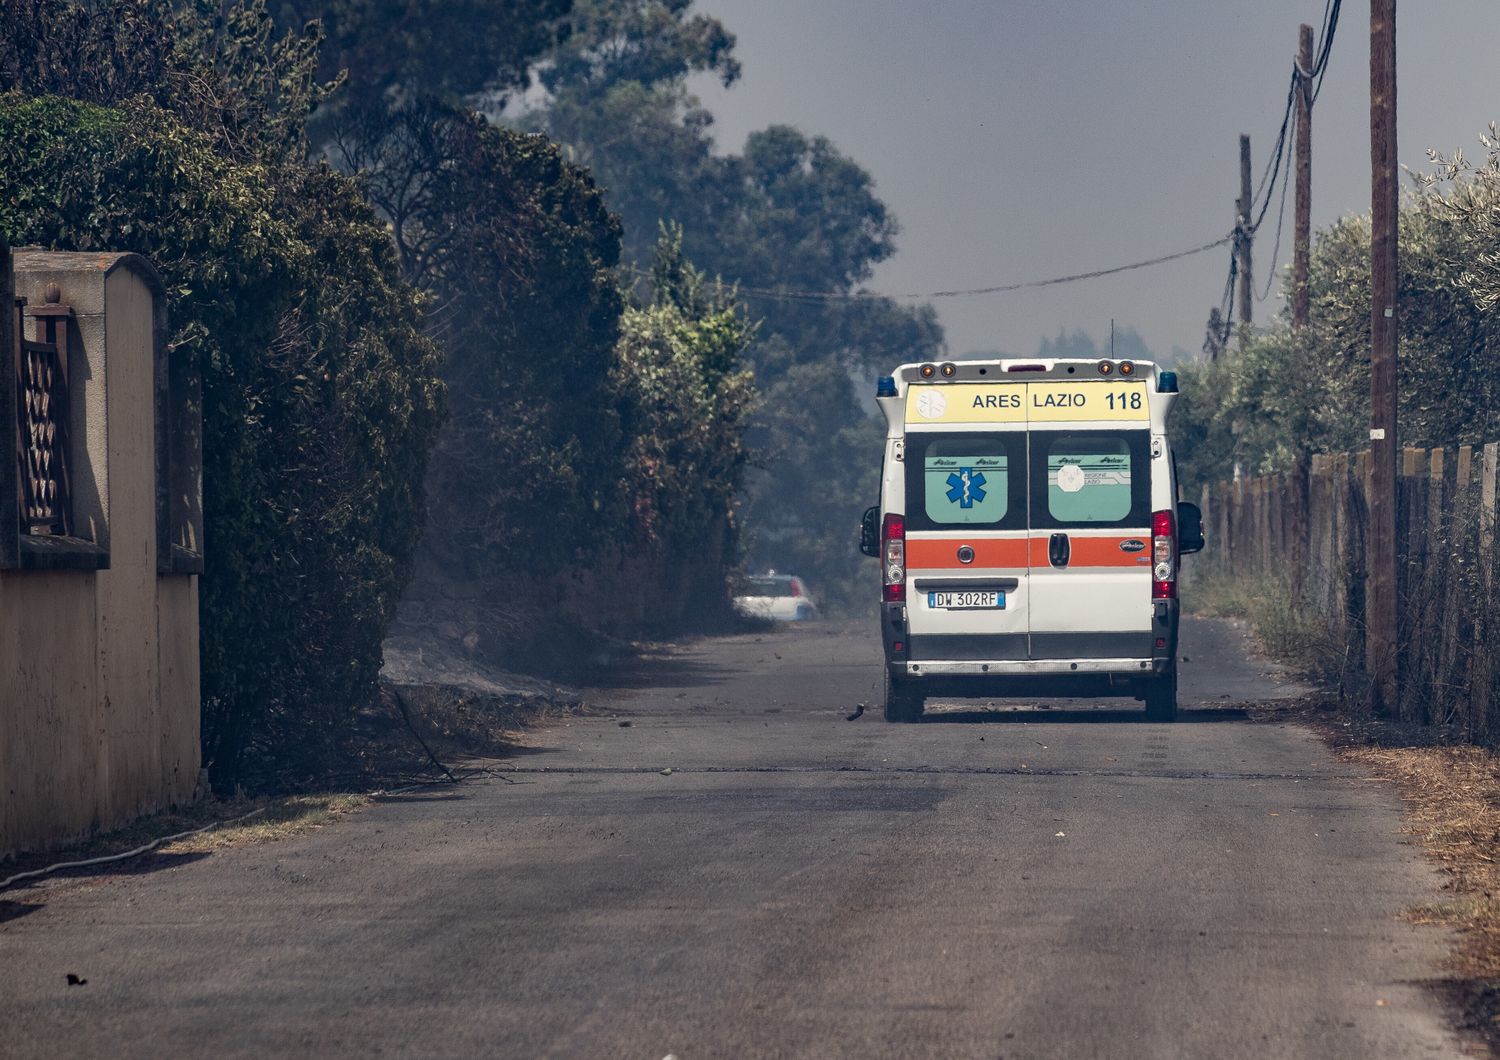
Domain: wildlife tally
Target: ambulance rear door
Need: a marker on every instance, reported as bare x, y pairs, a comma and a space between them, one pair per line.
1090, 516
967, 550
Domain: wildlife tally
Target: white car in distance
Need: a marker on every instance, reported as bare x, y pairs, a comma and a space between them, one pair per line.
782, 597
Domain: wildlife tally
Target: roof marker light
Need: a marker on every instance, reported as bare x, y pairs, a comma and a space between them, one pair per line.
1105, 367
948, 370
927, 371
1127, 368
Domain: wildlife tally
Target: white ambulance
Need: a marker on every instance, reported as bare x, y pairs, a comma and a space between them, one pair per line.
1029, 532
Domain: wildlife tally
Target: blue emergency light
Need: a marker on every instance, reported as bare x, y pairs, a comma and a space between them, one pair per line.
1166, 383
886, 386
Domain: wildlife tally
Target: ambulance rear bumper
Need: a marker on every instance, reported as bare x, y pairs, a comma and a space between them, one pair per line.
1036, 667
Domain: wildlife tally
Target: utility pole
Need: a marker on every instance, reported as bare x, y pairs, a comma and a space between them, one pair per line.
1242, 235
1302, 251
1380, 594
1297, 502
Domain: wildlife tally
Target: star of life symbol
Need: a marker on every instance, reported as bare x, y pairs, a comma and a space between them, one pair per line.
931, 405
965, 486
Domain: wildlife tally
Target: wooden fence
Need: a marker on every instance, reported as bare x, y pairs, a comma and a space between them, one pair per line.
1302, 536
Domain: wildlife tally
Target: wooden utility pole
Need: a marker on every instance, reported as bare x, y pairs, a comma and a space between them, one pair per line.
1302, 250
1242, 235
1380, 594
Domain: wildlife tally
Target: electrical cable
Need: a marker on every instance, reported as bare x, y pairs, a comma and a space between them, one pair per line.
146, 848
1226, 304
1272, 171
1278, 156
1270, 176
35, 874
449, 778
1275, 171
1219, 333
861, 296
1275, 164
1330, 27
1286, 180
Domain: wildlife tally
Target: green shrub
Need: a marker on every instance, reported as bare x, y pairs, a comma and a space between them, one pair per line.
321, 400
1289, 393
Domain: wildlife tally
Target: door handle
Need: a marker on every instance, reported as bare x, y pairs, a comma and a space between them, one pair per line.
1059, 549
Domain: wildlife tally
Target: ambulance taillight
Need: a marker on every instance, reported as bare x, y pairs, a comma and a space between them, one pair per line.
1163, 556
893, 551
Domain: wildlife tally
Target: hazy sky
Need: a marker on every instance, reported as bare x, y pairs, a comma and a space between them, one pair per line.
1024, 139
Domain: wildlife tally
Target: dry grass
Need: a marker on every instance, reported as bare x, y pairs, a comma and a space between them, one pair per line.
1452, 796
1288, 628
1451, 791
282, 818
279, 818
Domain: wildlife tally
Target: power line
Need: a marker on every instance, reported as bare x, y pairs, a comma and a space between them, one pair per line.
1319, 70
862, 296
1330, 27
1286, 180
1275, 171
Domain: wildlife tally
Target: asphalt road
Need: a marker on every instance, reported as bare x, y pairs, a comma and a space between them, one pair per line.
1021, 883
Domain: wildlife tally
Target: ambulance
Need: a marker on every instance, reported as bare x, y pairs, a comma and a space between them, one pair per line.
1029, 532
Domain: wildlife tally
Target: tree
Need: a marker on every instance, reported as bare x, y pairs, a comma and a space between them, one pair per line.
645, 42
684, 396
790, 214
516, 250
220, 68
320, 402
1124, 343
454, 50
1292, 393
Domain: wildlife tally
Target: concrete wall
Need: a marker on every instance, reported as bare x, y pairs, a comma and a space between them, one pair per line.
99, 702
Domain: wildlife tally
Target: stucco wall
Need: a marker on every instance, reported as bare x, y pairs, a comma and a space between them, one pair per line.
99, 703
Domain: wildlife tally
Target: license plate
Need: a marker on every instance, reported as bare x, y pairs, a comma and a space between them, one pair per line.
967, 601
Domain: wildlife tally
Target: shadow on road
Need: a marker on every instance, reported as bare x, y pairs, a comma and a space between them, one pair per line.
140, 865
664, 671
1078, 716
16, 910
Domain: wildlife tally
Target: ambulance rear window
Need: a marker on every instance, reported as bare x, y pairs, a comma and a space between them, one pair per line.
966, 480
1093, 478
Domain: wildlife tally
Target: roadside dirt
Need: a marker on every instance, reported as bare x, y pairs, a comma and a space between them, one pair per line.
246, 822
1451, 790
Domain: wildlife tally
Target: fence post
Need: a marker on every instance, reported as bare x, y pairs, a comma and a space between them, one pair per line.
1238, 522
1435, 495
1277, 511
1411, 488
1487, 502
1315, 516
1481, 675
1205, 499
1458, 545
1265, 524
1299, 537
1252, 524
1228, 514
1354, 534
1338, 484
